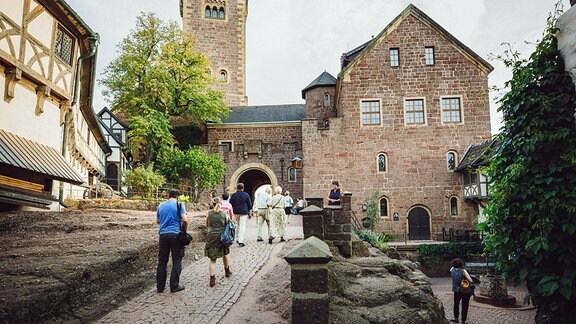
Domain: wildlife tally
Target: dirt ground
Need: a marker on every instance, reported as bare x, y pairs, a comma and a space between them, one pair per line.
71, 267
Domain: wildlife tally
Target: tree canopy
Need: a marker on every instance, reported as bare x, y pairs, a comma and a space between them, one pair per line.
531, 215
157, 78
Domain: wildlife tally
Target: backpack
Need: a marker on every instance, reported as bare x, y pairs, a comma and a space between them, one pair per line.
227, 236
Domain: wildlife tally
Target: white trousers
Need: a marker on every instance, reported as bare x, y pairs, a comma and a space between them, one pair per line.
241, 227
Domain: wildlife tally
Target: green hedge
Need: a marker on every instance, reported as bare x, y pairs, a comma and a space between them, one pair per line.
433, 254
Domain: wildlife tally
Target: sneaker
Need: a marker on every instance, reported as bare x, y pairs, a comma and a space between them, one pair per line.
160, 290
179, 288
270, 240
454, 320
259, 239
282, 239
242, 244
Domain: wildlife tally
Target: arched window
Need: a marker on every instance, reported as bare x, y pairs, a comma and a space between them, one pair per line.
291, 174
207, 12
453, 206
221, 13
223, 75
384, 207
452, 160
214, 12
382, 163
326, 99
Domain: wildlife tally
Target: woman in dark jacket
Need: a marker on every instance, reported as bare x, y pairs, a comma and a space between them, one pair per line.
458, 273
216, 222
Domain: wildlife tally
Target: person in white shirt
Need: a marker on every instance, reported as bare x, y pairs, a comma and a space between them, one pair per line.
263, 213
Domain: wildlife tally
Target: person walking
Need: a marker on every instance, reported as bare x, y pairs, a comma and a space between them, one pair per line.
277, 216
241, 205
216, 220
226, 207
334, 194
288, 203
457, 272
262, 211
171, 218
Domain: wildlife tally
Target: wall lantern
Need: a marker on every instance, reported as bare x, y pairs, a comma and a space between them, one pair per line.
297, 163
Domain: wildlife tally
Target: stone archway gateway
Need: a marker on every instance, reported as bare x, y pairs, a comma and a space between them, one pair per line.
418, 223
253, 175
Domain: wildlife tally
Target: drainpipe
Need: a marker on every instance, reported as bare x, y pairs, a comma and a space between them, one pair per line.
94, 41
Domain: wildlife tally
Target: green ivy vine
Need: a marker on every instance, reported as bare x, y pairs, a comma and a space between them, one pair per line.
531, 215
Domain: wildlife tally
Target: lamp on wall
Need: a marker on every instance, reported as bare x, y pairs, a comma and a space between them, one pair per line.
297, 162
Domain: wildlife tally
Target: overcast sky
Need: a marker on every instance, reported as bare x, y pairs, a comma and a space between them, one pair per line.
290, 42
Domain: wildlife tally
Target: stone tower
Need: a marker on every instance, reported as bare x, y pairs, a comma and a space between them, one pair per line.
220, 29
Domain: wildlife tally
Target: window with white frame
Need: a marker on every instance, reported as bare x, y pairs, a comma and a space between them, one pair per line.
451, 110
429, 55
384, 212
370, 112
414, 111
382, 163
394, 57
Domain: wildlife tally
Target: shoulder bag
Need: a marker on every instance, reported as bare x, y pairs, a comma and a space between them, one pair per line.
227, 236
184, 237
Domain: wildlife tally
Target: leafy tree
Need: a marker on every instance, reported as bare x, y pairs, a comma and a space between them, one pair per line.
532, 208
158, 78
194, 168
144, 181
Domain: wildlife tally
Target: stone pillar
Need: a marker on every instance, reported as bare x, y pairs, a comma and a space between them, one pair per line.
313, 221
315, 201
338, 225
309, 283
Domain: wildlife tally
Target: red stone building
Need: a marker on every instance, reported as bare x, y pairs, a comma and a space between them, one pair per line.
400, 114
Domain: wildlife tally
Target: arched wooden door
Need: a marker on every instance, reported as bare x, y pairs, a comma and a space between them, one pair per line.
418, 224
112, 175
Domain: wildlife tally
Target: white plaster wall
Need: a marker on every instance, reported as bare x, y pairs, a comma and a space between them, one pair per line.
41, 28
13, 9
567, 39
18, 117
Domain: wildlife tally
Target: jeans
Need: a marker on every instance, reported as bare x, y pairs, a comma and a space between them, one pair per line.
241, 227
169, 243
465, 303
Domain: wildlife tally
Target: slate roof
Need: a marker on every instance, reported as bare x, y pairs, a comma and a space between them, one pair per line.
351, 55
478, 155
23, 153
265, 114
323, 80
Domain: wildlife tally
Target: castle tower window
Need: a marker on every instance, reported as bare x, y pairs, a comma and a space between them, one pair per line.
451, 160
223, 75
291, 174
214, 12
453, 206
221, 13
429, 55
208, 12
382, 163
326, 100
370, 112
394, 57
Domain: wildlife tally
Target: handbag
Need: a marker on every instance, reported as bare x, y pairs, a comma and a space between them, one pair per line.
183, 237
227, 236
466, 287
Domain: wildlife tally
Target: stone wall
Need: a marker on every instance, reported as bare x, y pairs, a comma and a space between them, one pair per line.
417, 173
333, 224
224, 40
273, 143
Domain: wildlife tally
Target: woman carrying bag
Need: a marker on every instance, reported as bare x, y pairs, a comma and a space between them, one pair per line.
458, 273
216, 223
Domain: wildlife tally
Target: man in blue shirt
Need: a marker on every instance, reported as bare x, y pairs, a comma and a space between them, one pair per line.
241, 204
170, 215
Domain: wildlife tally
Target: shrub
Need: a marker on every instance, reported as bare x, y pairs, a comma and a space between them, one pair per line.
433, 254
144, 181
